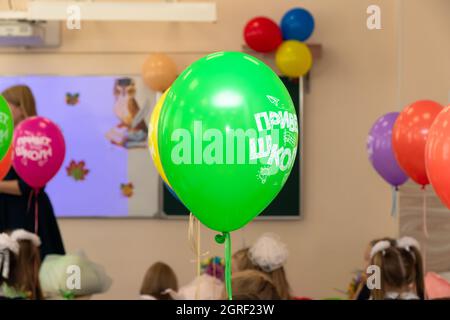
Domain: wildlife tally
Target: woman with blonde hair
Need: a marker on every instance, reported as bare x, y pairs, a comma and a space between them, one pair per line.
17, 201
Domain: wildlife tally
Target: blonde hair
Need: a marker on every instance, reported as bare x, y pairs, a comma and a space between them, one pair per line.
277, 276
253, 285
158, 278
22, 97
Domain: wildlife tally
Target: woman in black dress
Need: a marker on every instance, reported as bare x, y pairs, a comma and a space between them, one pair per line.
17, 201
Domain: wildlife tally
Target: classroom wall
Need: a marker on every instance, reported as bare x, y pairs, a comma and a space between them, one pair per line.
425, 64
345, 203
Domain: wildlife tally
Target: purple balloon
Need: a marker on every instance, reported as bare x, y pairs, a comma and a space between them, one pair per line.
381, 153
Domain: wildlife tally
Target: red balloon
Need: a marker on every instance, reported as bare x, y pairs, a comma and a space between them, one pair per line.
409, 136
437, 156
262, 34
5, 164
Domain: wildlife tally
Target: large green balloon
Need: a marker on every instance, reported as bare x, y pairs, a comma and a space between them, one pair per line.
228, 136
6, 127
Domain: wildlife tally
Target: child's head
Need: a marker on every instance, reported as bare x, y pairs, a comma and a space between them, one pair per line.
253, 285
159, 278
24, 263
241, 261
397, 268
267, 255
370, 246
21, 101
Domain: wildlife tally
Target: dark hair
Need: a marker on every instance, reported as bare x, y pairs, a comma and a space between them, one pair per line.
158, 278
400, 267
412, 260
390, 263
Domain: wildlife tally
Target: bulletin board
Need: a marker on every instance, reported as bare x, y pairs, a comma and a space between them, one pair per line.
107, 171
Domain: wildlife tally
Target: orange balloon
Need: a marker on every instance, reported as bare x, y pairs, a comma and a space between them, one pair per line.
409, 136
437, 156
5, 164
159, 71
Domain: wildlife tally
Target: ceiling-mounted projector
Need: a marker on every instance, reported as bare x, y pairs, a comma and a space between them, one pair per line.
39, 25
29, 34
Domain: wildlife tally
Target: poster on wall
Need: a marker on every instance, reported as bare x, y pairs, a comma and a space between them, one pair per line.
107, 171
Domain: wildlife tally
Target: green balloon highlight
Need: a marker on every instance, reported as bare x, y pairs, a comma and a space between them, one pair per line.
6, 127
228, 135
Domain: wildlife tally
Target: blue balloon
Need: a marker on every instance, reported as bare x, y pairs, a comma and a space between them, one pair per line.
297, 24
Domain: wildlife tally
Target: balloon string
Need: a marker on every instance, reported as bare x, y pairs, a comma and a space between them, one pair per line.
36, 211
226, 238
425, 228
424, 251
197, 290
424, 213
394, 202
35, 193
194, 242
30, 197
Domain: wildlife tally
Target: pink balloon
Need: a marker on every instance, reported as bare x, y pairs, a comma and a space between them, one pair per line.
39, 151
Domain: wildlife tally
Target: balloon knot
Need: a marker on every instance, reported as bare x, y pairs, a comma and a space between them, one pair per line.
220, 238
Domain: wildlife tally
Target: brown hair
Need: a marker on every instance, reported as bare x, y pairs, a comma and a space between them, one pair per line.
22, 97
158, 278
277, 276
362, 284
24, 270
400, 268
253, 285
412, 260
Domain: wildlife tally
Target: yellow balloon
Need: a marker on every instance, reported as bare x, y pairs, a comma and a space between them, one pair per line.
293, 58
153, 137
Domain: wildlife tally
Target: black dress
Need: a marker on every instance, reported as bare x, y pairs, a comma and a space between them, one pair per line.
18, 212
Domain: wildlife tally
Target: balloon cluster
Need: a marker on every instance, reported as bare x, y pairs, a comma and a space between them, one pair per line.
414, 143
224, 138
292, 57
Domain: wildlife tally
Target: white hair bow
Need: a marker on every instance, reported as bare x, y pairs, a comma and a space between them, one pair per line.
21, 234
408, 242
380, 246
268, 252
7, 245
